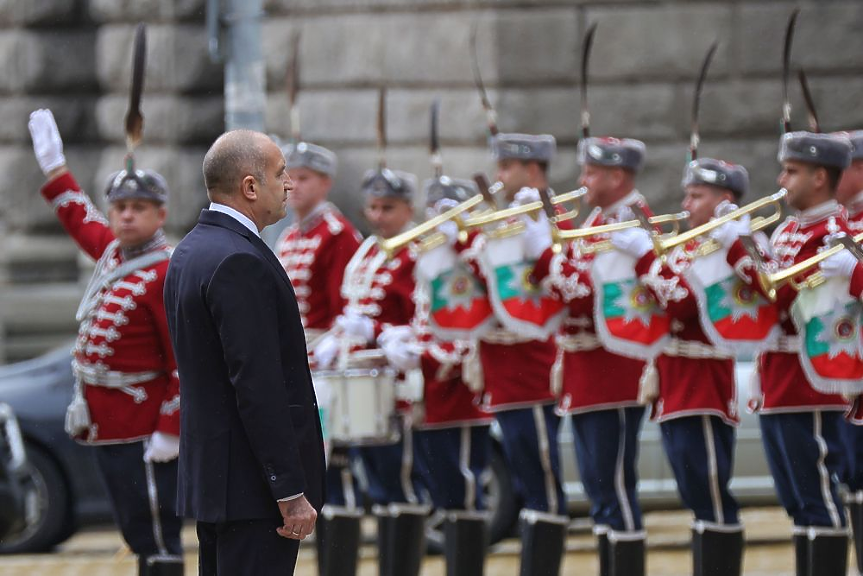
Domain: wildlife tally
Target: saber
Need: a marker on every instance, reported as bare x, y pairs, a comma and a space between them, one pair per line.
490, 114
293, 87
694, 137
814, 126
585, 59
786, 70
434, 140
134, 118
382, 128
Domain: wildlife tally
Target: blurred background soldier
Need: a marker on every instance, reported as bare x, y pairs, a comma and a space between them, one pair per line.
601, 389
127, 398
516, 372
801, 426
697, 402
379, 293
315, 250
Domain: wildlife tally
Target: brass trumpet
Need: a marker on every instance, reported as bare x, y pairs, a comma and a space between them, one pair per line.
673, 220
390, 245
531, 208
663, 245
771, 283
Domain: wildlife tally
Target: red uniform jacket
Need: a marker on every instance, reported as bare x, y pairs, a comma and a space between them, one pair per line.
315, 253
125, 332
592, 377
694, 377
783, 383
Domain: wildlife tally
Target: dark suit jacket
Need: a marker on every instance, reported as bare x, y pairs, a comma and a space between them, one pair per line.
249, 426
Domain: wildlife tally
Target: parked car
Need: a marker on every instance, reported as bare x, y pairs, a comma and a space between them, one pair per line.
13, 461
61, 483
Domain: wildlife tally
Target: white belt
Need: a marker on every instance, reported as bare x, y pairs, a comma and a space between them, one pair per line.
693, 349
784, 343
503, 336
580, 342
99, 376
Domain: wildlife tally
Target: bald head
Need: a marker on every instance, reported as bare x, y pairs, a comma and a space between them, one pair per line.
233, 156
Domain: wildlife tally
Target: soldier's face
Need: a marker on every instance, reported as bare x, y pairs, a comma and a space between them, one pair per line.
851, 183
602, 184
799, 179
701, 200
134, 221
514, 175
388, 216
310, 189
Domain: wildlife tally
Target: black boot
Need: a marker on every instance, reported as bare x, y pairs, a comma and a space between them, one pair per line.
465, 543
401, 538
801, 555
626, 553
168, 565
717, 552
338, 541
828, 555
855, 512
602, 552
543, 539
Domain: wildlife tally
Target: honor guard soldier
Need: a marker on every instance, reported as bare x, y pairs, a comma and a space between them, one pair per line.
452, 449
801, 426
126, 399
314, 252
379, 294
696, 405
600, 389
516, 372
849, 194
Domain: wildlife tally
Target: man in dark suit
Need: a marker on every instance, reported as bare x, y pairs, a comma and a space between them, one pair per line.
251, 450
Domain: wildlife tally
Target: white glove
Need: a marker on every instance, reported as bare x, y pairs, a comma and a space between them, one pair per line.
729, 232
395, 334
536, 237
325, 351
357, 325
840, 265
525, 196
724, 207
450, 230
47, 143
633, 241
401, 355
162, 447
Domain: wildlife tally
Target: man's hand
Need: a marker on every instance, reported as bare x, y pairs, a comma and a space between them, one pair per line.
633, 241
357, 325
840, 265
729, 232
299, 518
536, 237
47, 144
326, 351
162, 447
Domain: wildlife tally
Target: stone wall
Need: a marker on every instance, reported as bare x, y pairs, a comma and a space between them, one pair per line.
74, 56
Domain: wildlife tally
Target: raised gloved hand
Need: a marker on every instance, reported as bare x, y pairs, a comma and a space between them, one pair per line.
840, 265
401, 355
357, 325
450, 230
525, 196
633, 241
729, 232
162, 447
723, 208
47, 144
536, 237
325, 351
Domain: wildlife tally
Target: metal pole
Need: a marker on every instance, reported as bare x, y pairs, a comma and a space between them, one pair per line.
245, 72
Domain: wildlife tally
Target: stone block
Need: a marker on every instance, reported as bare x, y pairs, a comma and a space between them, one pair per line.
741, 108
147, 10
167, 119
668, 41
461, 120
535, 45
328, 117
838, 102
177, 59
827, 36
13, 12
40, 62
74, 117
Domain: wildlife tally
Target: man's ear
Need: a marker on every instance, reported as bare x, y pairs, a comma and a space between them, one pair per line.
250, 187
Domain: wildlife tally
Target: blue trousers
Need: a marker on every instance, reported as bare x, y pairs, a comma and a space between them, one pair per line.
531, 450
450, 463
390, 470
701, 452
805, 455
852, 469
606, 447
342, 486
